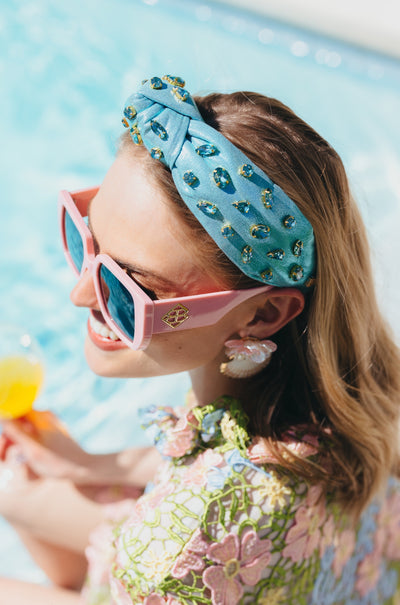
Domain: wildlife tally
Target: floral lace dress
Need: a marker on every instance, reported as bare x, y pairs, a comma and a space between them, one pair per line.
224, 525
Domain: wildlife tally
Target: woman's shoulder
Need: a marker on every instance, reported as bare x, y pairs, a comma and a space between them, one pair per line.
210, 446
211, 438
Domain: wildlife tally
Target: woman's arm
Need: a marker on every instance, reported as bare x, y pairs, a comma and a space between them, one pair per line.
50, 509
64, 567
51, 452
135, 466
52, 518
15, 592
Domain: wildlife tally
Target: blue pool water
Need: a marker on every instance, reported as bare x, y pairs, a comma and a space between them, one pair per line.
65, 71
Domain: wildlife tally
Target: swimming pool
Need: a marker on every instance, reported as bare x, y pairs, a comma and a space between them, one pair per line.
66, 69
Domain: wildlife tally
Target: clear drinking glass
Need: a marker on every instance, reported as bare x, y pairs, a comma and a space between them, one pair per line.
21, 372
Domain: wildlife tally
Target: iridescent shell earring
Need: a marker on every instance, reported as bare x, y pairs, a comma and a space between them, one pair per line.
247, 357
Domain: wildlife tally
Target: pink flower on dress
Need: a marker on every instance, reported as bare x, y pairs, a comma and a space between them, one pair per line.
156, 599
238, 563
368, 573
328, 531
191, 558
345, 543
389, 521
118, 592
158, 494
303, 449
148, 502
260, 451
138, 513
182, 437
196, 473
301, 429
392, 550
305, 535
100, 553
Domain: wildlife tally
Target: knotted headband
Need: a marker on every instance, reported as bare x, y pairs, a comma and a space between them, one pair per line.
257, 226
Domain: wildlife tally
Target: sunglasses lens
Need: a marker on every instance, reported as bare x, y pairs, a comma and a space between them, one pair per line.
74, 242
119, 302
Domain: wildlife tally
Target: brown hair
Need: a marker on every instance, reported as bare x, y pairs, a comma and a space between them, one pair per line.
337, 368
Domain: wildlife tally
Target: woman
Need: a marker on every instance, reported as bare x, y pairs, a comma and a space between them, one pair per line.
223, 222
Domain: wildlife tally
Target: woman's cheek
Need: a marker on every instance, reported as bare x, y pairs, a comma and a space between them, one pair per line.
166, 354
188, 348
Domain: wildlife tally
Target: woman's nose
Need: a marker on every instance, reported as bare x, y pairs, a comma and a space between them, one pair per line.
84, 293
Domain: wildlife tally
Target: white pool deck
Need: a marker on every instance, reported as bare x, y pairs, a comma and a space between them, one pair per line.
373, 24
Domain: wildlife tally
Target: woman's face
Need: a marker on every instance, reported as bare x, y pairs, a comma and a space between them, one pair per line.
132, 222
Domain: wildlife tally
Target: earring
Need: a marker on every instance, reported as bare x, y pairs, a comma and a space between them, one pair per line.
247, 357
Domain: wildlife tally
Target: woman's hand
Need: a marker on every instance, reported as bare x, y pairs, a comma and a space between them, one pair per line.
44, 443
14, 473
50, 509
18, 485
50, 451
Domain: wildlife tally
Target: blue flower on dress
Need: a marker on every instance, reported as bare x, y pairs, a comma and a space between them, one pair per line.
235, 459
345, 585
324, 592
216, 477
387, 584
149, 487
153, 414
366, 533
372, 598
210, 425
155, 420
174, 431
328, 589
327, 559
177, 432
393, 483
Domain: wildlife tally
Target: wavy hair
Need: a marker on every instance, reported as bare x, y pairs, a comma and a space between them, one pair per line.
337, 366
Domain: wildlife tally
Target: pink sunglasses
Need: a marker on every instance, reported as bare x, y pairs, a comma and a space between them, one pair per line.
128, 311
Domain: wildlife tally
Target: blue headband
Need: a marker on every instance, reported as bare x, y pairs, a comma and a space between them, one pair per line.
257, 226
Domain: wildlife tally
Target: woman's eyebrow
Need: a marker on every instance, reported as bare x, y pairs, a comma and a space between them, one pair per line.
143, 272
128, 266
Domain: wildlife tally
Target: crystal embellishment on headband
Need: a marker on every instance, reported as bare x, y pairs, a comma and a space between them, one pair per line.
252, 220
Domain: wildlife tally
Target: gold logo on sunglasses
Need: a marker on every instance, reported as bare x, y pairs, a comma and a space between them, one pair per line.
176, 316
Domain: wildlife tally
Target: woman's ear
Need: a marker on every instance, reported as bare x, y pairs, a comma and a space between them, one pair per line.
277, 308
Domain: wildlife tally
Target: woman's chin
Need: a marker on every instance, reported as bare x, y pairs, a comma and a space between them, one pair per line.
107, 363
119, 363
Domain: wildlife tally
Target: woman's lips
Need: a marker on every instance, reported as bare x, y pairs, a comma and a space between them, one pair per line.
102, 342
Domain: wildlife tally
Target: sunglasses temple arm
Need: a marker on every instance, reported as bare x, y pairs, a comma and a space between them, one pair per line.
198, 311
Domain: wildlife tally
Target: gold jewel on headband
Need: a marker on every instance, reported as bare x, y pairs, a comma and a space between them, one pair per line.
266, 198
246, 170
